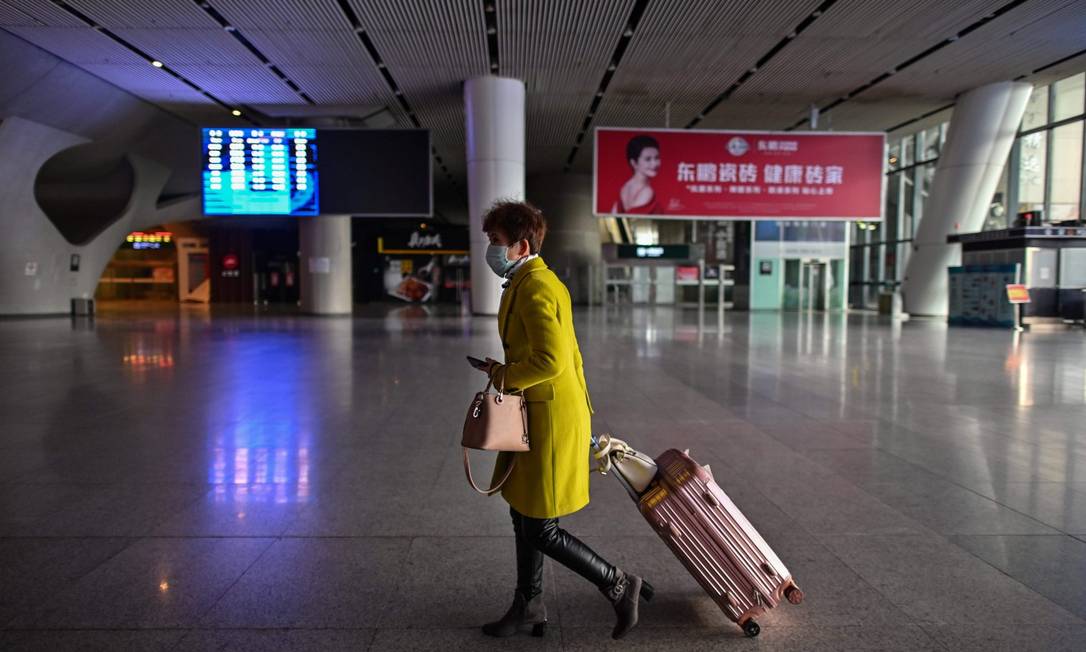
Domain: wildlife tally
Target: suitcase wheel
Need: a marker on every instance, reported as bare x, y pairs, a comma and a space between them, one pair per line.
793, 594
751, 628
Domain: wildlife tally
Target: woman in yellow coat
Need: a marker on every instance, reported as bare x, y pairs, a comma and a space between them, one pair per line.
543, 361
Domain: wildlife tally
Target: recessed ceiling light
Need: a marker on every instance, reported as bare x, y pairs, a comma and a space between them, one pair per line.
236, 112
156, 64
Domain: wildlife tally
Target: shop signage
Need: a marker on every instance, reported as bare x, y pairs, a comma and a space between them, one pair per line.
231, 266
431, 240
686, 273
155, 240
681, 173
1017, 293
654, 252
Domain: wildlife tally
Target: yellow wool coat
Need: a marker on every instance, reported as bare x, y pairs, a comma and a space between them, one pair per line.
543, 361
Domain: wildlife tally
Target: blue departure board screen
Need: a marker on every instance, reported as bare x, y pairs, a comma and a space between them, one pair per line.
255, 171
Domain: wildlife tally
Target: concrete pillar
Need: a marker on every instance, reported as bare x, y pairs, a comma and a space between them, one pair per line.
980, 137
325, 264
572, 245
494, 107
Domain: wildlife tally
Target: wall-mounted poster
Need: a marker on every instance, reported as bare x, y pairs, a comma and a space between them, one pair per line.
683, 173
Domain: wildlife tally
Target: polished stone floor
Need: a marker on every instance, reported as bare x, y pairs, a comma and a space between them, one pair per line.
265, 482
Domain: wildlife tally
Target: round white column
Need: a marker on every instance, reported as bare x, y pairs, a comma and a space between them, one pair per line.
325, 264
982, 130
494, 107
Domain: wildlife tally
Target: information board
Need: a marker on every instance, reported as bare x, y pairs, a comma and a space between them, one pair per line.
256, 171
977, 295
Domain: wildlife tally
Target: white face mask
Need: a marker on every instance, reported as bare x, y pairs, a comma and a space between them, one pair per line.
497, 257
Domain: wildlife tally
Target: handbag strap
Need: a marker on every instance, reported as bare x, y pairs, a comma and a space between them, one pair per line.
607, 445
497, 487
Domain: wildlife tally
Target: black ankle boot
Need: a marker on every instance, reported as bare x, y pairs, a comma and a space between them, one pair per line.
522, 613
624, 594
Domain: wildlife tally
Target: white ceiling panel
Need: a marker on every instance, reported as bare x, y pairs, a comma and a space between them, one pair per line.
559, 47
174, 46
317, 15
852, 43
36, 12
149, 83
238, 84
1027, 41
683, 54
116, 14
78, 45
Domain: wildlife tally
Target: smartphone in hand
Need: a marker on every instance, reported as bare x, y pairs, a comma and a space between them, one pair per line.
481, 365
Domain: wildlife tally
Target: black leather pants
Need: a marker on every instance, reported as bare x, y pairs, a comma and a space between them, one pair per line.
541, 536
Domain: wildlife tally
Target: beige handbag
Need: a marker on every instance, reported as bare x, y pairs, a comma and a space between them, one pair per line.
495, 422
638, 469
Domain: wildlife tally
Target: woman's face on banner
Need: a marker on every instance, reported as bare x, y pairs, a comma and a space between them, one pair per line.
648, 162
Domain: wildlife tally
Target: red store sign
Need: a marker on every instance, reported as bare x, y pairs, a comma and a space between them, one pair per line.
682, 173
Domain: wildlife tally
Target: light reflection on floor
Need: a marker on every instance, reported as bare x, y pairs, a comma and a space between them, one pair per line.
225, 479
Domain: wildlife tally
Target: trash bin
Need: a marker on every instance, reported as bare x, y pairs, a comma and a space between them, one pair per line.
82, 307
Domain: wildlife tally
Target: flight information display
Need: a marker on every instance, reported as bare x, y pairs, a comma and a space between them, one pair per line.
257, 171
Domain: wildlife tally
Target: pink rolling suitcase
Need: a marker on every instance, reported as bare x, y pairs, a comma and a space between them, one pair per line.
705, 530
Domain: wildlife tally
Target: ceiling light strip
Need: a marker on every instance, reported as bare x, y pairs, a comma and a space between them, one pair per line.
1018, 78
371, 49
914, 59
919, 118
634, 20
248, 45
763, 61
490, 16
1056, 63
90, 22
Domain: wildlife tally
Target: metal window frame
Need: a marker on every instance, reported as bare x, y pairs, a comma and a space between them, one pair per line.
1049, 158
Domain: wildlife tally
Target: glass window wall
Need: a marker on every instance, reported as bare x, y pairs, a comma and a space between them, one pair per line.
1032, 162
1036, 110
1069, 97
1066, 193
1044, 172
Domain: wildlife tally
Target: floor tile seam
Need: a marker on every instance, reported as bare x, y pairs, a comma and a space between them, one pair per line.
197, 629
402, 579
71, 584
897, 608
1079, 620
950, 480
214, 603
1016, 536
947, 535
940, 642
765, 399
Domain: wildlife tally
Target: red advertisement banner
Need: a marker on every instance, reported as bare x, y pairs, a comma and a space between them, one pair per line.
681, 173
